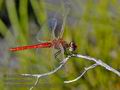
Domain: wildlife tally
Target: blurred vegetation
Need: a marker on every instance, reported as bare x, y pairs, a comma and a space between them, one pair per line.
93, 24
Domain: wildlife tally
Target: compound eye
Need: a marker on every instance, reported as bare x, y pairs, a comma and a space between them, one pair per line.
72, 46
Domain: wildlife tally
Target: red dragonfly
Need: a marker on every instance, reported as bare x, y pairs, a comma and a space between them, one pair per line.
57, 42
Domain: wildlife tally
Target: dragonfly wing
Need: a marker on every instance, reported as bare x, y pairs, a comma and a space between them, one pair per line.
64, 22
45, 33
53, 25
45, 59
60, 56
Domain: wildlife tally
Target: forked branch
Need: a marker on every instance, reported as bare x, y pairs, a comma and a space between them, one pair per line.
97, 62
85, 70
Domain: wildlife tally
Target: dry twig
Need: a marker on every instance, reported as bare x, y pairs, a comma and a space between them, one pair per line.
97, 62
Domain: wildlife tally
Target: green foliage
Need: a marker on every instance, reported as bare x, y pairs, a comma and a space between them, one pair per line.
96, 33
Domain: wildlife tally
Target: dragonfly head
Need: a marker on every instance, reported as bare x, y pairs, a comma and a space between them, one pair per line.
72, 46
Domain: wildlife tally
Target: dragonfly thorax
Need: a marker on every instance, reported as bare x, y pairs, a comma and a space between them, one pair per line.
58, 43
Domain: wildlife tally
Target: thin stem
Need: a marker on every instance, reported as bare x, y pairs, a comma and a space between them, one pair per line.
85, 70
97, 62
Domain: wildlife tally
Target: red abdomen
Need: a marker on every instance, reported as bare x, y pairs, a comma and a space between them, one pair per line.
41, 45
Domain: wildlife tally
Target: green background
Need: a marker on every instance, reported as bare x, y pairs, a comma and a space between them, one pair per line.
95, 27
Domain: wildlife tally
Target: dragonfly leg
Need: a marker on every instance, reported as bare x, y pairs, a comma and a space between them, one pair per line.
56, 55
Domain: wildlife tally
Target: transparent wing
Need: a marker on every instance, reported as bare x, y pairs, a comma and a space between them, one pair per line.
53, 24
63, 22
61, 56
45, 33
44, 55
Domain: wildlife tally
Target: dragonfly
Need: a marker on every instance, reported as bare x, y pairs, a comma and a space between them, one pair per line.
57, 42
